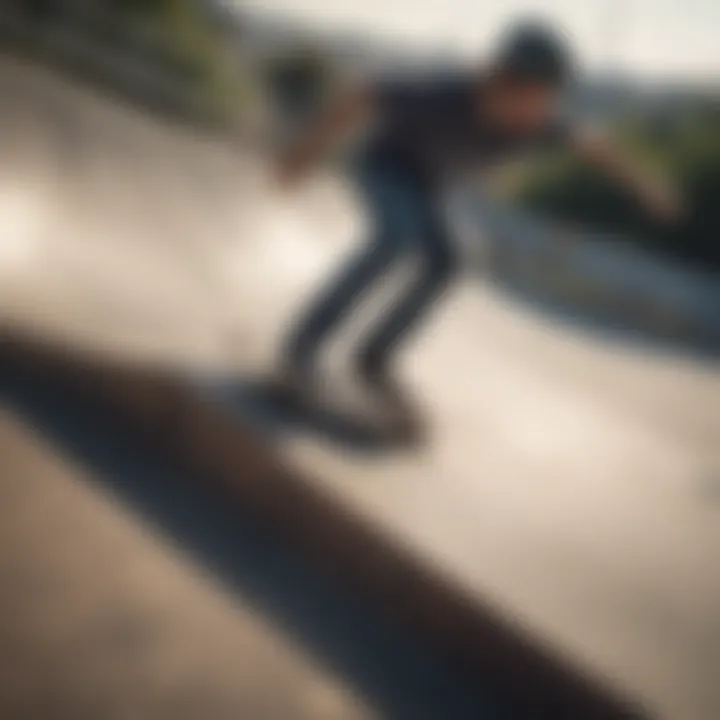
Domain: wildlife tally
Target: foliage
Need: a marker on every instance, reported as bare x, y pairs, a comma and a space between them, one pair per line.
174, 39
685, 145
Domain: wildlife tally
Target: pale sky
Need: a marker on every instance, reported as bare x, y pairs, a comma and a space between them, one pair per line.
661, 38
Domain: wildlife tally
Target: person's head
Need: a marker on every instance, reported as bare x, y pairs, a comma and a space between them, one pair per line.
527, 74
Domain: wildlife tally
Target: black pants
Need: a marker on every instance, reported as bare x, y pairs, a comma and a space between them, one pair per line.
406, 222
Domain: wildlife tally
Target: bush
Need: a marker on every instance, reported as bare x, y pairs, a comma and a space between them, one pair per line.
176, 41
686, 147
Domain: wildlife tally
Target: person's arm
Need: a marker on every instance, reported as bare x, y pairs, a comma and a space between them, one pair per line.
345, 115
655, 193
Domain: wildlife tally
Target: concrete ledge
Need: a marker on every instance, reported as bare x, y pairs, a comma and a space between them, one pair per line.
604, 276
179, 421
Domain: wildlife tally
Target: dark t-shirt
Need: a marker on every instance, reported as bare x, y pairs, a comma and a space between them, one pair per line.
433, 129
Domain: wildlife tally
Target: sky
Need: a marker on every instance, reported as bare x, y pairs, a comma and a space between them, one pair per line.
647, 38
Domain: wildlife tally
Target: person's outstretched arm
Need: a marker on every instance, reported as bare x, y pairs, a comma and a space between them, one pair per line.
345, 115
657, 195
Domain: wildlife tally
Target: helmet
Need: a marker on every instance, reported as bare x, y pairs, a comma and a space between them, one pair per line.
532, 51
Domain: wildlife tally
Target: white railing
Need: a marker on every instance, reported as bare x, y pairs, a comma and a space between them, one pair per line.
597, 272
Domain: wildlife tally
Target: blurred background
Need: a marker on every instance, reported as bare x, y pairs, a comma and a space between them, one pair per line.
257, 71
573, 387
651, 74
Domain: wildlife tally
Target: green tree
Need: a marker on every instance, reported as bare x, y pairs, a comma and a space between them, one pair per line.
685, 145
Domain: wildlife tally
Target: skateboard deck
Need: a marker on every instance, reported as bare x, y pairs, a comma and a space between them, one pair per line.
278, 415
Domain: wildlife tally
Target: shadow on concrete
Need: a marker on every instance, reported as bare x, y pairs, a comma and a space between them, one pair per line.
76, 399
395, 674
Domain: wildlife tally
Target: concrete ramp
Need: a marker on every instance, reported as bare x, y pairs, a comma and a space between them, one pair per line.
101, 616
559, 535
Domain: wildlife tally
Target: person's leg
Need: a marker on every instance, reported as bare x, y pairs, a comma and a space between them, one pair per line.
388, 208
437, 264
335, 303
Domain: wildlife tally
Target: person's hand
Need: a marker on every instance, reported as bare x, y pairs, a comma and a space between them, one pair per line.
289, 172
659, 199
664, 203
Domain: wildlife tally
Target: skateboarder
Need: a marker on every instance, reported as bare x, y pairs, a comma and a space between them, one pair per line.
419, 134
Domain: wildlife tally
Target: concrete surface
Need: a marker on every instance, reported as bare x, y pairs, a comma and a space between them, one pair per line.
129, 590
569, 478
102, 617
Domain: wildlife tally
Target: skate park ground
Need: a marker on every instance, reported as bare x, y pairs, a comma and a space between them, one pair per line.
566, 491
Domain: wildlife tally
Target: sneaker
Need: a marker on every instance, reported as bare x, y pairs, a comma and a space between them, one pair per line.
290, 387
401, 421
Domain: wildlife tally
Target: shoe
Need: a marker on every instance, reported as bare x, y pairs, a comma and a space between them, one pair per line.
290, 387
301, 389
401, 422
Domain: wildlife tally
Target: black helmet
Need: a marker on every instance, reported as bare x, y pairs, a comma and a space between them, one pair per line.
533, 51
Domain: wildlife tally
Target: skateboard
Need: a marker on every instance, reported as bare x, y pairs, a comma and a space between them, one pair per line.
278, 415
